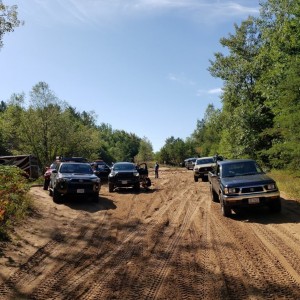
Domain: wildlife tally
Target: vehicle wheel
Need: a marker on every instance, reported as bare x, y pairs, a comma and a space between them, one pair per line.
226, 210
50, 189
56, 196
275, 206
46, 184
214, 195
204, 179
148, 182
95, 197
195, 178
110, 187
137, 187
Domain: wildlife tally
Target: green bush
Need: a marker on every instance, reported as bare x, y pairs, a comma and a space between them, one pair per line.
288, 182
14, 202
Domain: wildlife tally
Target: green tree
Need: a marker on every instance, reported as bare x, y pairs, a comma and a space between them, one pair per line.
145, 153
3, 106
173, 152
48, 127
245, 116
208, 132
8, 20
279, 84
10, 124
126, 146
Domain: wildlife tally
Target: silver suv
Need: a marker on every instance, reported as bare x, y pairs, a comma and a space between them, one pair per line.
202, 166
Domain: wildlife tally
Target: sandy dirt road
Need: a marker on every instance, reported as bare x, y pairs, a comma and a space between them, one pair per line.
170, 242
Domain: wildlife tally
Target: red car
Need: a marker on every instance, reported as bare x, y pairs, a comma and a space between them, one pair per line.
47, 175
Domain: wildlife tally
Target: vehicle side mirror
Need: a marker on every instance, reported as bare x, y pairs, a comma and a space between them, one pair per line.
54, 171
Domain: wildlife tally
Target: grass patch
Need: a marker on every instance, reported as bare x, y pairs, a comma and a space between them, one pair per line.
288, 182
14, 202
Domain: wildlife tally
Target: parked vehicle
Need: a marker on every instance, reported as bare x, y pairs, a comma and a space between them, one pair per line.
190, 162
48, 170
144, 179
123, 175
101, 169
73, 178
242, 183
47, 175
202, 166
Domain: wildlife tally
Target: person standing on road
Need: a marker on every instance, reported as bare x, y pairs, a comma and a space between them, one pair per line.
156, 167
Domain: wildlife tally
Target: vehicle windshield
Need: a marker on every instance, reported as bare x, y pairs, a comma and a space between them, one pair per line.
204, 161
123, 167
101, 166
76, 168
240, 169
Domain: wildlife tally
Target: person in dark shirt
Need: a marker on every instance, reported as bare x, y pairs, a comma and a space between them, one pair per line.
156, 167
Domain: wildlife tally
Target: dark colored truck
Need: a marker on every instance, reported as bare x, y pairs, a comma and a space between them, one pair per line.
241, 183
73, 178
124, 175
101, 169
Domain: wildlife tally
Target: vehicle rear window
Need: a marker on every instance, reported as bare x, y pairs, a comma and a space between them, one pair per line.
240, 169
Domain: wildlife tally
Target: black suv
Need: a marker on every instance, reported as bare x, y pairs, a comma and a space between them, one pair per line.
101, 169
73, 178
124, 174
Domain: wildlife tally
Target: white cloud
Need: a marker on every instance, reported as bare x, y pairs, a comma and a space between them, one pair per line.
91, 11
180, 78
215, 91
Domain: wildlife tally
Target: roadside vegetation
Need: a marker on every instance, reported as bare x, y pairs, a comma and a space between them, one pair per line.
14, 202
288, 182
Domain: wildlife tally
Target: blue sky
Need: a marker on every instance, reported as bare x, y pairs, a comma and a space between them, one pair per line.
140, 65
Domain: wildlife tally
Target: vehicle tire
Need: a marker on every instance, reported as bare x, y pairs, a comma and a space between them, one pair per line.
226, 210
214, 195
137, 187
56, 196
110, 187
204, 179
95, 197
195, 178
148, 182
275, 206
46, 184
50, 189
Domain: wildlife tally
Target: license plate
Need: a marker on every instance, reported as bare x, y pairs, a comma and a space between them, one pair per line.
253, 200
80, 191
124, 181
